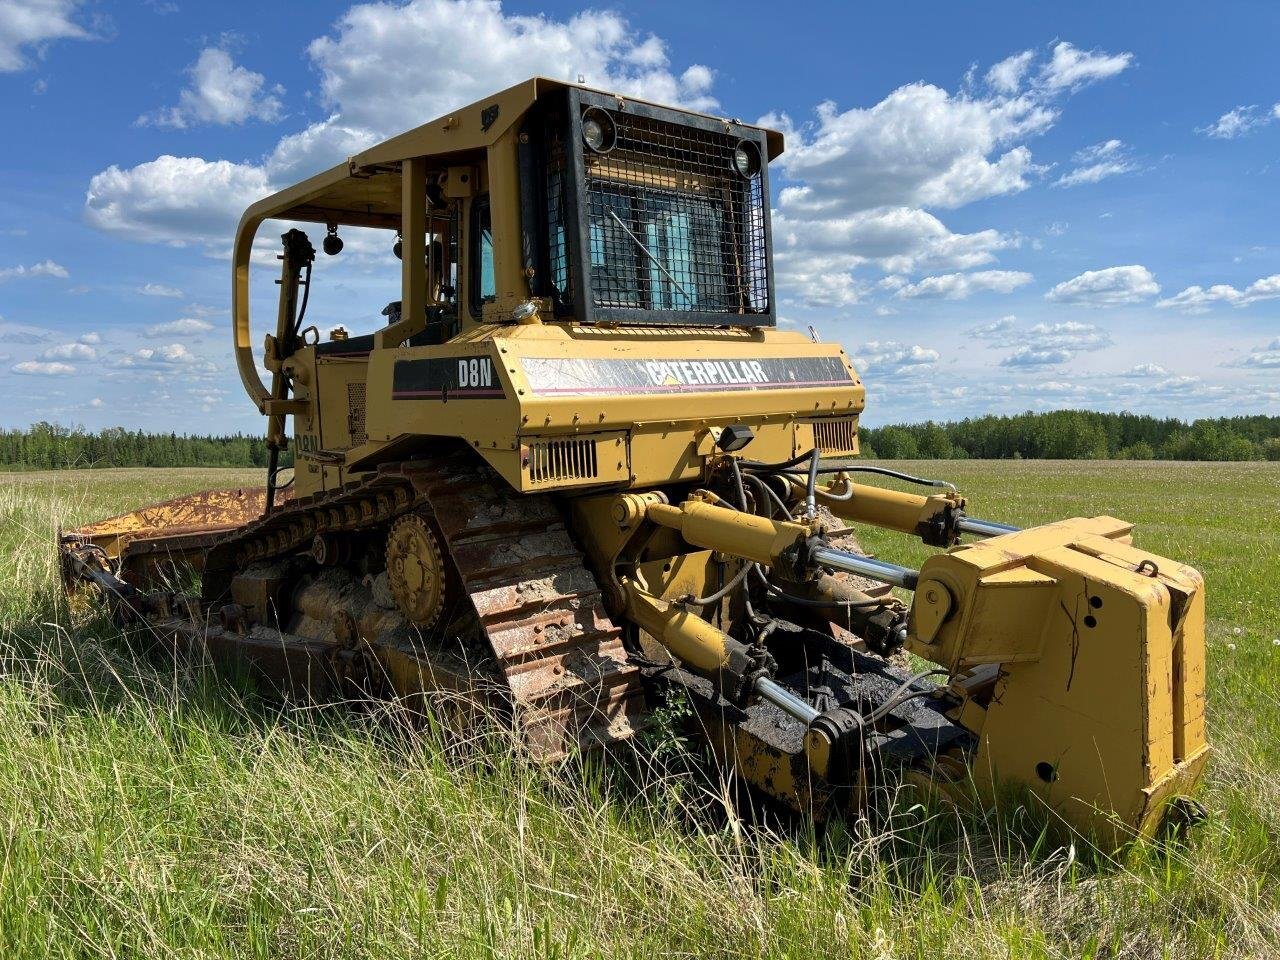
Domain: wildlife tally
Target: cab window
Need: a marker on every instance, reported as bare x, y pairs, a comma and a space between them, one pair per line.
484, 287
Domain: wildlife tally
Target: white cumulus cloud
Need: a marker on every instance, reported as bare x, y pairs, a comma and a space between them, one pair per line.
174, 200
1105, 288
1240, 121
961, 286
185, 326
1073, 68
174, 353
169, 355
70, 351
1261, 358
219, 92
863, 179
440, 54
1093, 164
1198, 300
994, 329
814, 265
46, 268
159, 290
1147, 370
1027, 356
39, 368
446, 53
889, 357
35, 23
919, 146
1051, 344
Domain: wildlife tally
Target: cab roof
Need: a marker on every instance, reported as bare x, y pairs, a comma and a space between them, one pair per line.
365, 191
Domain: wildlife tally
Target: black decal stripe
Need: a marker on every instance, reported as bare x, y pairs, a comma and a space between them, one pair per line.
437, 378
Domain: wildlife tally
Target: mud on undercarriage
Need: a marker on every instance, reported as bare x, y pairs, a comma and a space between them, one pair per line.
305, 596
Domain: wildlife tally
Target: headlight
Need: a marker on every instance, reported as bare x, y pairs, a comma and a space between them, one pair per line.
746, 159
598, 130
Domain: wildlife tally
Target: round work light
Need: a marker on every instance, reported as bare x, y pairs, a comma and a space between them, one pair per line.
746, 159
598, 130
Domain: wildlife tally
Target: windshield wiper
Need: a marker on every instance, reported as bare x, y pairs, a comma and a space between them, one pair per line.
645, 250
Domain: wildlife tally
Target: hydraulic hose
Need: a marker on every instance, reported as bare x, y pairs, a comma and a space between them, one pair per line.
810, 490
770, 494
776, 467
737, 480
828, 495
302, 308
723, 591
886, 472
902, 694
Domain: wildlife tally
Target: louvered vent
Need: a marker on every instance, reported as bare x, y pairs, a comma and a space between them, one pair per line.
556, 461
356, 414
837, 436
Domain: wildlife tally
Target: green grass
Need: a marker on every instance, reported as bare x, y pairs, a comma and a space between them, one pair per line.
154, 809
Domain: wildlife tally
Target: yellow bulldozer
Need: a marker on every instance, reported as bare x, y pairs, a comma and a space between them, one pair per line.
580, 468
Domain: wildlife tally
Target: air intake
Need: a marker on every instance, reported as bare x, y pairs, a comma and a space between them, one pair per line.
356, 414
558, 461
836, 437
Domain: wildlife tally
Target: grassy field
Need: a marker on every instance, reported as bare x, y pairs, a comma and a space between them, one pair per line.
155, 810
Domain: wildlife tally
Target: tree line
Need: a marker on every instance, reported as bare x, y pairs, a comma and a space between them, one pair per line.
48, 446
1060, 435
1078, 435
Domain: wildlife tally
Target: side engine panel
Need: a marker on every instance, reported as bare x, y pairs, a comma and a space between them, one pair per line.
555, 407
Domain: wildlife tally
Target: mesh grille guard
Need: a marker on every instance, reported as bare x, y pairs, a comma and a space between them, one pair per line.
661, 225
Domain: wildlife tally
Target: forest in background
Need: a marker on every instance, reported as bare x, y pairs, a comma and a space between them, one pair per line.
1059, 435
1077, 435
48, 446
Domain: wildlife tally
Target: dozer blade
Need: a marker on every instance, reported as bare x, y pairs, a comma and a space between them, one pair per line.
180, 529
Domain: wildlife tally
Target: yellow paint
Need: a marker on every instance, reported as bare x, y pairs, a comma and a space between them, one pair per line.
1093, 695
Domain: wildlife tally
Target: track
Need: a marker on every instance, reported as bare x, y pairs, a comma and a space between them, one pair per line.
536, 609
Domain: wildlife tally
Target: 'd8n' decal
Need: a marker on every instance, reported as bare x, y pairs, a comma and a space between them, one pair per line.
475, 372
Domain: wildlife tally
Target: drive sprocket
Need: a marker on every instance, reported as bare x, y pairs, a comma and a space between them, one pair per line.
416, 570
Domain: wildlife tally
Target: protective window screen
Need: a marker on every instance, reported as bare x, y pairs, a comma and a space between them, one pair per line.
557, 194
671, 225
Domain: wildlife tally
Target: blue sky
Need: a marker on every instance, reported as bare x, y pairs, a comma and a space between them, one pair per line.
994, 206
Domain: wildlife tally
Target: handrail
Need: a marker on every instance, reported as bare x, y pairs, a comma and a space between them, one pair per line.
241, 258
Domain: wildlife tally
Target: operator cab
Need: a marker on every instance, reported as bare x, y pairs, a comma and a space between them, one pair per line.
547, 203
592, 207
663, 216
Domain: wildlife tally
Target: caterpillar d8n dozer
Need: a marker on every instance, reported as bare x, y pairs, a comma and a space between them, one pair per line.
580, 465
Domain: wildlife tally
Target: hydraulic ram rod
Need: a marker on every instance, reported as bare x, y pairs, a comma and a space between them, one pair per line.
785, 700
984, 528
763, 541
704, 648
866, 567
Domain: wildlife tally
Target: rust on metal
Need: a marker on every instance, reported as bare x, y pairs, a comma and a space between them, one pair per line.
550, 655
209, 511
